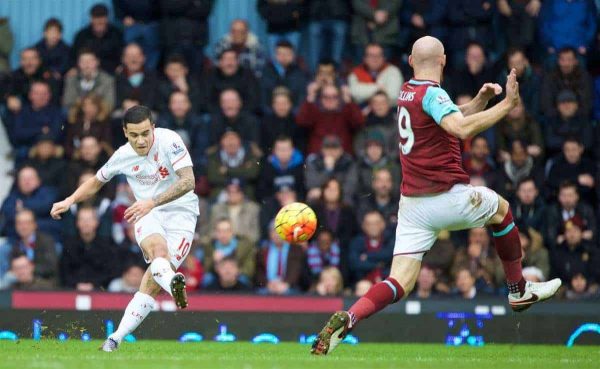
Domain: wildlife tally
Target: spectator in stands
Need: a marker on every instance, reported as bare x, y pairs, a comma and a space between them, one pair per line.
90, 156
229, 160
362, 287
331, 162
228, 277
529, 80
133, 80
369, 253
53, 50
279, 120
87, 258
284, 21
46, 157
379, 117
284, 167
184, 29
571, 121
568, 208
130, 280
533, 250
39, 116
469, 21
330, 282
478, 161
574, 255
327, 18
194, 273
573, 167
329, 111
520, 20
279, 266
568, 74
375, 22
528, 207
283, 71
29, 193
382, 198
425, 286
6, 45
225, 244
177, 79
22, 276
423, 18
322, 252
232, 117
19, 84
181, 118
533, 274
520, 165
519, 125
245, 44
229, 74
89, 79
479, 258
140, 25
334, 214
468, 80
579, 17
372, 160
88, 117
39, 247
283, 195
102, 38
243, 213
579, 290
373, 75
464, 282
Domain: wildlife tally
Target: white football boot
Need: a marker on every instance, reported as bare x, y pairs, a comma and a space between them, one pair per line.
534, 292
109, 345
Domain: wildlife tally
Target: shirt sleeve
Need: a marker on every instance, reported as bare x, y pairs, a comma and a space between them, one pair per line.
438, 104
178, 153
110, 169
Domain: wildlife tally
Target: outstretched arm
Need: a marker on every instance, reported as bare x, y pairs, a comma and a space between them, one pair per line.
479, 102
185, 183
464, 127
87, 189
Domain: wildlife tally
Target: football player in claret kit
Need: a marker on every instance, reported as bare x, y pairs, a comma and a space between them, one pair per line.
159, 170
436, 194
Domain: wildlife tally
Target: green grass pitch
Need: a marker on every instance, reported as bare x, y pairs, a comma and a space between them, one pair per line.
207, 355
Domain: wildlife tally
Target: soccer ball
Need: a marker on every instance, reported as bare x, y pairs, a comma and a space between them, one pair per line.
296, 222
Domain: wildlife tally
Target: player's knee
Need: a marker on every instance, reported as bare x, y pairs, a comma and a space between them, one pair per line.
503, 208
157, 248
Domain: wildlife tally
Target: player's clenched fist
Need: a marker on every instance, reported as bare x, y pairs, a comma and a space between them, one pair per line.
60, 207
138, 210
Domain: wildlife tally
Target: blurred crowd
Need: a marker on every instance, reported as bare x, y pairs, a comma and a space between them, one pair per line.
305, 114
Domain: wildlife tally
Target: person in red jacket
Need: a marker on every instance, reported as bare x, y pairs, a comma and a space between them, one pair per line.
329, 111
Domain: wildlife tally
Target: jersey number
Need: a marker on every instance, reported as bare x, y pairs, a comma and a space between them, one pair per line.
406, 131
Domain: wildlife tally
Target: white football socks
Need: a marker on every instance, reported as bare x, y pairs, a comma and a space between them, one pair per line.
162, 273
137, 310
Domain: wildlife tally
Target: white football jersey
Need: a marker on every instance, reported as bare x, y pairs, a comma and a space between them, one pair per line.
152, 174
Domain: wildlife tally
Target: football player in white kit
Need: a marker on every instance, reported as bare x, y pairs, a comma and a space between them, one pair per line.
159, 170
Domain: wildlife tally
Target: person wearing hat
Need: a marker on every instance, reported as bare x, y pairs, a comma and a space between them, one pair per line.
46, 157
332, 161
571, 121
244, 213
231, 159
372, 159
285, 166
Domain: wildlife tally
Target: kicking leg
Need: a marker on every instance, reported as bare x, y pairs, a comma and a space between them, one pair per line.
400, 282
522, 294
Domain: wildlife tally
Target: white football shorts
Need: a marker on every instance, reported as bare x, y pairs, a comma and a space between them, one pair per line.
421, 218
175, 224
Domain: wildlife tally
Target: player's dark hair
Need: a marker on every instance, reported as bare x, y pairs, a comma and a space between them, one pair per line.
99, 10
567, 184
53, 23
176, 59
285, 44
137, 114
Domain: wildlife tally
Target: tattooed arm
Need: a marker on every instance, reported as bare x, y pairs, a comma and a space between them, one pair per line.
185, 183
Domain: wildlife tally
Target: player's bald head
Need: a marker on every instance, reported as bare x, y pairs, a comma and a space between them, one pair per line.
427, 51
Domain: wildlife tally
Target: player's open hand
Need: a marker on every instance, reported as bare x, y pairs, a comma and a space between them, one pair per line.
489, 90
512, 88
138, 210
60, 207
